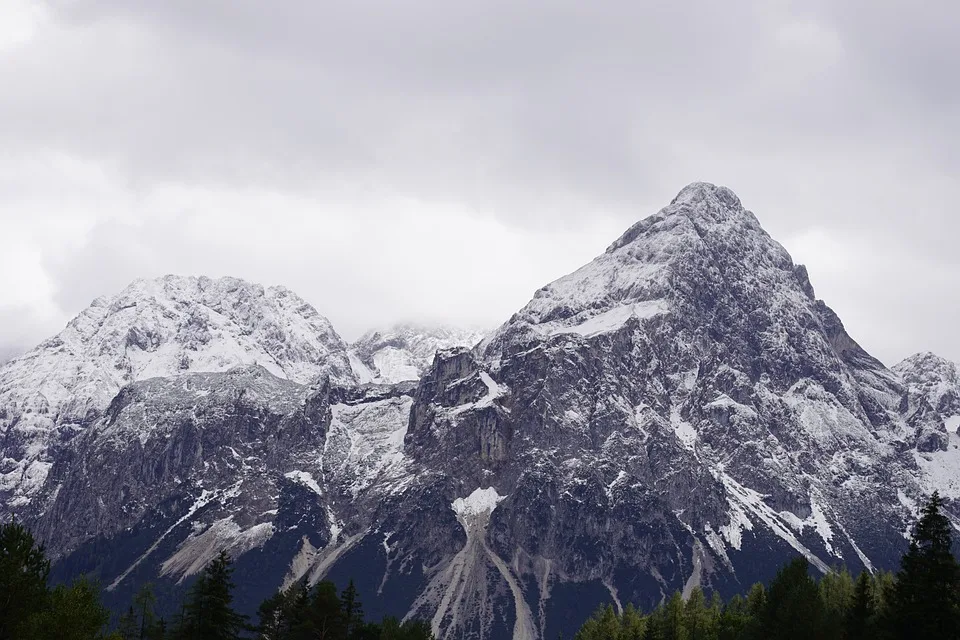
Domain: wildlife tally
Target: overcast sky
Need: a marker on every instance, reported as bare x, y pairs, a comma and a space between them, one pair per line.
439, 160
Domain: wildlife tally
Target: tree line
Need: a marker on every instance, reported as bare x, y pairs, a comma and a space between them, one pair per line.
921, 600
29, 608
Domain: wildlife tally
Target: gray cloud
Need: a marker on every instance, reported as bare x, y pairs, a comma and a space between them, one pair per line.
528, 121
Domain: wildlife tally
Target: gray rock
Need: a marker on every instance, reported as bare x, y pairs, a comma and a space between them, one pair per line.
681, 411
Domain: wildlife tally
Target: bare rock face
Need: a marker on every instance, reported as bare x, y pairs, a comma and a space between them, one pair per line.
681, 411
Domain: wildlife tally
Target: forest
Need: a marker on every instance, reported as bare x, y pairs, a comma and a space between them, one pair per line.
30, 609
920, 600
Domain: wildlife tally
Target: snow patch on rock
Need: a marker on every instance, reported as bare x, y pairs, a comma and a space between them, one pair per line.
480, 501
306, 479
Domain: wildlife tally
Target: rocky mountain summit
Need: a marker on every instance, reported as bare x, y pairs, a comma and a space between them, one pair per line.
936, 380
153, 328
681, 411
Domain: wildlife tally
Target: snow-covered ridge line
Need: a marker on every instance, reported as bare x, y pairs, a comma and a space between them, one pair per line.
404, 351
158, 328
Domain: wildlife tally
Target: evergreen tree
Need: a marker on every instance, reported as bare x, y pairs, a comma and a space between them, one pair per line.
208, 614
633, 625
416, 630
756, 600
674, 619
882, 621
323, 619
144, 602
793, 608
274, 619
861, 612
836, 595
159, 630
390, 629
72, 613
352, 610
735, 619
699, 620
127, 627
23, 578
925, 598
656, 624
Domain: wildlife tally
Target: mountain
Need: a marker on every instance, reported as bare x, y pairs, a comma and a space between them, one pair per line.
404, 351
934, 384
936, 380
153, 328
680, 411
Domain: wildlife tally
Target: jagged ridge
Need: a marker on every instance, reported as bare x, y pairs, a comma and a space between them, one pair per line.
680, 411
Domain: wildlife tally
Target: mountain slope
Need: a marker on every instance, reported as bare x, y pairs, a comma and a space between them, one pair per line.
162, 327
404, 351
681, 411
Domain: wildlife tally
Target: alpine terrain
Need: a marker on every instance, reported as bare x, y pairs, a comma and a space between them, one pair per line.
405, 351
681, 411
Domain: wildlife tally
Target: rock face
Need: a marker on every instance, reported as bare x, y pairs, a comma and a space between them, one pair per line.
935, 380
404, 351
681, 411
153, 328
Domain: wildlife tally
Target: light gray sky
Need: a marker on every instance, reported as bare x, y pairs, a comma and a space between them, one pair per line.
439, 161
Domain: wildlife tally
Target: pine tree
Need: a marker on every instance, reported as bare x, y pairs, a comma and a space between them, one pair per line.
159, 630
836, 595
861, 612
324, 618
73, 613
274, 619
925, 598
756, 603
609, 623
352, 610
656, 624
698, 617
417, 630
145, 621
127, 626
23, 578
734, 620
208, 614
633, 624
793, 609
674, 619
756, 600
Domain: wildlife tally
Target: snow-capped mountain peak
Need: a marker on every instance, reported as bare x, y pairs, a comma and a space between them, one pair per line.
703, 240
158, 327
936, 379
680, 411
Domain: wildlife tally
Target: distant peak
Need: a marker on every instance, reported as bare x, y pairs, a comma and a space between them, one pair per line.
697, 192
173, 284
701, 202
926, 361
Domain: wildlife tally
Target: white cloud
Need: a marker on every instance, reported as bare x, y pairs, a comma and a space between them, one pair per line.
439, 160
